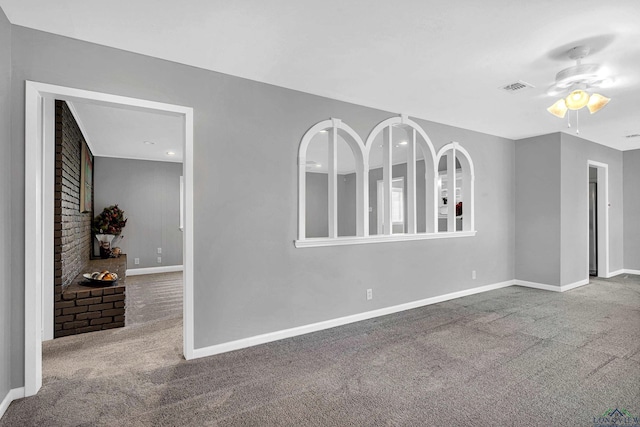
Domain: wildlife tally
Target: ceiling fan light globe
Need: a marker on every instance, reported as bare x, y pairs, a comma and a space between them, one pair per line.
596, 102
558, 109
577, 99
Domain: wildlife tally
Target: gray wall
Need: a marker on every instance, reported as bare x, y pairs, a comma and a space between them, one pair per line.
149, 194
631, 209
575, 215
5, 206
551, 208
537, 213
249, 278
347, 203
317, 209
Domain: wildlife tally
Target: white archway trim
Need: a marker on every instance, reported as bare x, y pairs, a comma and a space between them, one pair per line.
468, 184
39, 217
361, 151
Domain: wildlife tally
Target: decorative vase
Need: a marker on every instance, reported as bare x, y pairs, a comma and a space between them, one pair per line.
105, 244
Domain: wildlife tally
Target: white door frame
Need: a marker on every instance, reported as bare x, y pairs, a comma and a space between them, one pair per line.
602, 208
39, 163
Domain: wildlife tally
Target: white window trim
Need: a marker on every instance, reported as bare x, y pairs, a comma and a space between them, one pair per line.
315, 242
468, 185
361, 154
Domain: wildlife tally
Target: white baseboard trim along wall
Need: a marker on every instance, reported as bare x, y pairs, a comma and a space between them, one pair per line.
314, 327
327, 324
628, 271
15, 393
554, 288
615, 273
153, 270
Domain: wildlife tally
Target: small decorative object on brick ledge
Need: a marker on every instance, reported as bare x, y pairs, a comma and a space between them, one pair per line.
105, 244
106, 227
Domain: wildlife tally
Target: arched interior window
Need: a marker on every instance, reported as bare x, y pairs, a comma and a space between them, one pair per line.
455, 189
393, 187
331, 168
401, 159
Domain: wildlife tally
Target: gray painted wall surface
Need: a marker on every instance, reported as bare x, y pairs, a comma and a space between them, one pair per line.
149, 194
317, 209
552, 212
631, 190
5, 206
347, 205
575, 215
537, 209
249, 277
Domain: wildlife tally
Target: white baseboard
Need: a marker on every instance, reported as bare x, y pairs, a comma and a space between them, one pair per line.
574, 285
314, 327
615, 273
629, 271
553, 288
153, 270
14, 393
536, 285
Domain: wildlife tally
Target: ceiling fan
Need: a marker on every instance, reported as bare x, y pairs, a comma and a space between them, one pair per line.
579, 81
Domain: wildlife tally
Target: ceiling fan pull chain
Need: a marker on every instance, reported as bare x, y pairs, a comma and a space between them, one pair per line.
577, 122
568, 119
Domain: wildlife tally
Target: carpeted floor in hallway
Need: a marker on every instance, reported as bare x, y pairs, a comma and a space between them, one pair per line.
513, 356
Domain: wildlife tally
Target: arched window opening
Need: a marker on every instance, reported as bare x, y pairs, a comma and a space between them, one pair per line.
401, 175
330, 177
455, 189
392, 188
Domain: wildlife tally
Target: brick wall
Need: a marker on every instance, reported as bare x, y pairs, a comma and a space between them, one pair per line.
90, 310
72, 229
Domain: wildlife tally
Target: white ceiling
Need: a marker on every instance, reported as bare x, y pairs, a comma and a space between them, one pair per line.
133, 134
437, 60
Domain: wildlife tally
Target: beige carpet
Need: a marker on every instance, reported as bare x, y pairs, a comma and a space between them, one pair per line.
513, 356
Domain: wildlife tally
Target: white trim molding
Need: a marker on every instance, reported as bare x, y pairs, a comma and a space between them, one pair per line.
628, 271
356, 240
154, 270
617, 272
536, 285
13, 394
327, 324
417, 141
553, 288
38, 185
574, 285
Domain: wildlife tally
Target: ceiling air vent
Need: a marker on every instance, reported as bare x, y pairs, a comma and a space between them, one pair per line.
515, 87
633, 135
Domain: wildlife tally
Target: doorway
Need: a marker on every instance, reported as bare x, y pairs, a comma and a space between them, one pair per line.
593, 221
39, 163
598, 219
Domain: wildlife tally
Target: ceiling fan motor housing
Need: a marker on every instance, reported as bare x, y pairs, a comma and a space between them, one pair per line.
587, 74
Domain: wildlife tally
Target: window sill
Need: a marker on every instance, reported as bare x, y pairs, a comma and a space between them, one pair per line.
358, 240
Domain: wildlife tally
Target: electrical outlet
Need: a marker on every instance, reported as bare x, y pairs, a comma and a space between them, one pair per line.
159, 260
159, 250
136, 261
473, 275
369, 294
